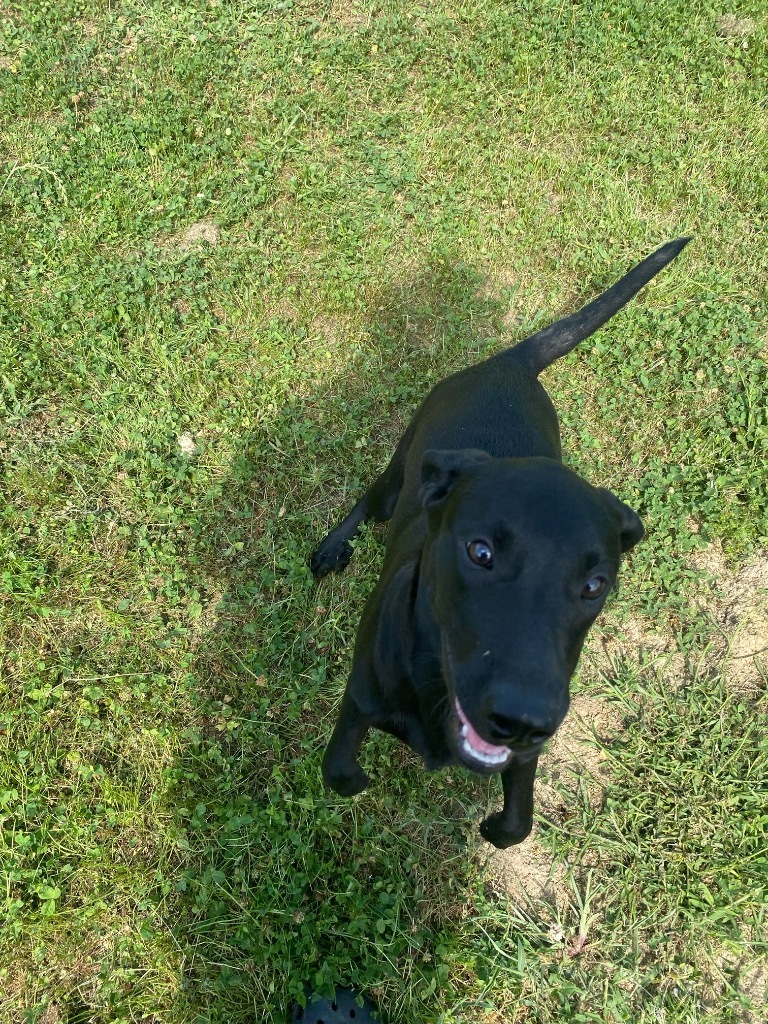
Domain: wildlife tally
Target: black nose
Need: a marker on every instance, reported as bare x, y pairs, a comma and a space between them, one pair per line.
523, 731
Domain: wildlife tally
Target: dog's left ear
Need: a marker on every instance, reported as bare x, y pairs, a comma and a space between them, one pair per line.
441, 469
631, 529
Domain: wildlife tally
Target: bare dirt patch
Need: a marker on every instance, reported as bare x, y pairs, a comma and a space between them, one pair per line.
616, 638
51, 1014
204, 231
575, 756
738, 604
753, 982
335, 331
43, 427
348, 15
500, 289
187, 443
731, 26
749, 975
638, 641
527, 874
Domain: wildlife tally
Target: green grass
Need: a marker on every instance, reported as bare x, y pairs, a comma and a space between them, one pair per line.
399, 191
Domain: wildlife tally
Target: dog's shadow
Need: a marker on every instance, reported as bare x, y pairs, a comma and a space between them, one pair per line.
280, 881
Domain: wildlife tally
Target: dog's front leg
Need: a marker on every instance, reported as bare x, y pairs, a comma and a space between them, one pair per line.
514, 821
334, 552
341, 770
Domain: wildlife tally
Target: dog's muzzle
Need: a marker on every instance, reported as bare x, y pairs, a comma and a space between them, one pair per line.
475, 749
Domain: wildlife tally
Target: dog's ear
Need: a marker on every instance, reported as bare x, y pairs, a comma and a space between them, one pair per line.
631, 529
441, 469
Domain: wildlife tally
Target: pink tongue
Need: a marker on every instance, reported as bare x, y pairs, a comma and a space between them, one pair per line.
474, 739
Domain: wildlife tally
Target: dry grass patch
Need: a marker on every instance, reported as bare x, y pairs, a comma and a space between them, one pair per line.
732, 26
203, 231
348, 15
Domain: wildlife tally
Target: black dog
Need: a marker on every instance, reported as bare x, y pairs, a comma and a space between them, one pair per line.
498, 561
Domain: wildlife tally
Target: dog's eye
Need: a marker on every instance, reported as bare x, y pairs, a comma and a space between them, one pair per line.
480, 553
594, 588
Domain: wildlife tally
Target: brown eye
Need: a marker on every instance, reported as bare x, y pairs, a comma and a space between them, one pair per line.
594, 588
480, 553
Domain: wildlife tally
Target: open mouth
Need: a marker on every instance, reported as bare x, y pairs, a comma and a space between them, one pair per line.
477, 750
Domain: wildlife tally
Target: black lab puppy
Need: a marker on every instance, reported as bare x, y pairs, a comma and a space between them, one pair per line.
498, 561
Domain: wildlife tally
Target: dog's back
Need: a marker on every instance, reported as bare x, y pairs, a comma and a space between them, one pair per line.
499, 406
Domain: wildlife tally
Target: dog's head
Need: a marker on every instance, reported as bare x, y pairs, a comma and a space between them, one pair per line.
519, 559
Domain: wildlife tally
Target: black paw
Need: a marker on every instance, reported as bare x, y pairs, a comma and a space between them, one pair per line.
346, 784
331, 556
497, 832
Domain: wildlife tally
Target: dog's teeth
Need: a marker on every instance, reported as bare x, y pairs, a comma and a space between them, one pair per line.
486, 759
480, 757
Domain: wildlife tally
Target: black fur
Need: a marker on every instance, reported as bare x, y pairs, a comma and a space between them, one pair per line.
447, 643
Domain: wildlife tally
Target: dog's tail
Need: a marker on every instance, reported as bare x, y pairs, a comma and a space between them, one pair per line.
545, 346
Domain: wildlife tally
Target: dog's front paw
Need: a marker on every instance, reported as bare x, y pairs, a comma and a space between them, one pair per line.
332, 555
496, 831
348, 783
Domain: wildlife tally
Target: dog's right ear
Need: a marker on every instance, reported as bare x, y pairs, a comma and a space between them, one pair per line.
441, 469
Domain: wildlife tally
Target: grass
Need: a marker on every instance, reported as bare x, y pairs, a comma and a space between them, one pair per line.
389, 192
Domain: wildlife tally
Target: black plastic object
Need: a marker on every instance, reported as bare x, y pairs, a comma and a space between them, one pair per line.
343, 1007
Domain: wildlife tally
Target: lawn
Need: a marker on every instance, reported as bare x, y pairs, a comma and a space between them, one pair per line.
239, 241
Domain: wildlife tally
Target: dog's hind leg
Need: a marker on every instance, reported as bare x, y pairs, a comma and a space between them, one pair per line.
514, 821
334, 552
341, 770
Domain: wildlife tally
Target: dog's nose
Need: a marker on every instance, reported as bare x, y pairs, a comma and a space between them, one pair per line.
523, 731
